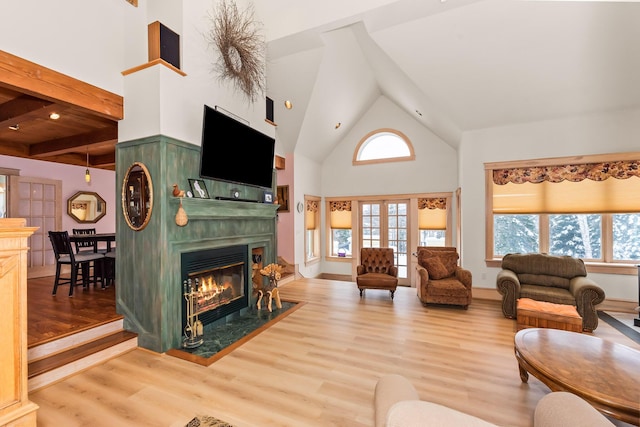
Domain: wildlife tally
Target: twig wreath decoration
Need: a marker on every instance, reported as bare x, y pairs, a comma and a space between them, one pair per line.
235, 34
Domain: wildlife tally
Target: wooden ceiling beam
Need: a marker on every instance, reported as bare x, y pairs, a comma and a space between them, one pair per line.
20, 108
105, 161
69, 144
12, 148
27, 77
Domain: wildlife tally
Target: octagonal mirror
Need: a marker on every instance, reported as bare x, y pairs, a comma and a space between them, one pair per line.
86, 207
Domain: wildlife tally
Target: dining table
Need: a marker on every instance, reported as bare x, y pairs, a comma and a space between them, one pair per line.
98, 237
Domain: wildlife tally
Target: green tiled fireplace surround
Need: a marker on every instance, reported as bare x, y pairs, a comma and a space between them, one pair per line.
149, 289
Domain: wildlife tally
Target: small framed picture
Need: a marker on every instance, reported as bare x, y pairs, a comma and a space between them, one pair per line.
198, 189
282, 197
268, 197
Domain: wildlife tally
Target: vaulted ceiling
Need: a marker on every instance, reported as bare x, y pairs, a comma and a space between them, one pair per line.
455, 66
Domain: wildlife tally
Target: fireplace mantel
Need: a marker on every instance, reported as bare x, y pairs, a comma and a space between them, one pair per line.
206, 209
148, 269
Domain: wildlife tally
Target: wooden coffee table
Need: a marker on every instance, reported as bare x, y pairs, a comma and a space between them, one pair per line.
604, 373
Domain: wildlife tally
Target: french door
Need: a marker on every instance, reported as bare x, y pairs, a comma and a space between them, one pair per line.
384, 224
39, 200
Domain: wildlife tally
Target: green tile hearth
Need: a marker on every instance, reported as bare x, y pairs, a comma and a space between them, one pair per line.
219, 337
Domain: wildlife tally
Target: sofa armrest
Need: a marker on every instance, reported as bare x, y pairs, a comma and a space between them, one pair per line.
391, 389
559, 409
360, 270
422, 280
508, 286
464, 276
393, 271
587, 294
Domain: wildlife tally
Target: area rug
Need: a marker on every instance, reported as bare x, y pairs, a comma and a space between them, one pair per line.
221, 340
207, 421
621, 327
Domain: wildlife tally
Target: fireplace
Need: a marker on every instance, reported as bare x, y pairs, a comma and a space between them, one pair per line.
220, 277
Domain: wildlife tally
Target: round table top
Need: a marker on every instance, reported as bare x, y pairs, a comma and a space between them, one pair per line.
605, 373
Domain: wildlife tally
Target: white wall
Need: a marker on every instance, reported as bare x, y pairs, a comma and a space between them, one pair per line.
82, 39
435, 168
593, 134
306, 175
159, 100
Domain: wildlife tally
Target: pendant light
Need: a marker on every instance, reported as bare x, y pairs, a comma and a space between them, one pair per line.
87, 174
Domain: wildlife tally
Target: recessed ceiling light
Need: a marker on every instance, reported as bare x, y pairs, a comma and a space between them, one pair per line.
288, 105
14, 127
54, 116
338, 125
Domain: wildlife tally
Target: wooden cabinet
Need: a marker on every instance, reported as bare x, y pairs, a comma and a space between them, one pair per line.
15, 407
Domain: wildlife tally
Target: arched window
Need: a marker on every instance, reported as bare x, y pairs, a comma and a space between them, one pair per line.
383, 145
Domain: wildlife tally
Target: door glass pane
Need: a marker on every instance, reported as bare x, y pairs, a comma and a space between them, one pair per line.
370, 220
397, 235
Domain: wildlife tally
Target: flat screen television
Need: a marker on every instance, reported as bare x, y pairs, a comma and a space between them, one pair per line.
235, 152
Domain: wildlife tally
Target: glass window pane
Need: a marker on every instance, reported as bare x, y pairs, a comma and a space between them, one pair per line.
375, 209
383, 145
366, 209
515, 233
432, 238
341, 243
578, 235
626, 237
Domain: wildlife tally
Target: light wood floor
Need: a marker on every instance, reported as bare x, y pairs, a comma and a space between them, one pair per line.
317, 367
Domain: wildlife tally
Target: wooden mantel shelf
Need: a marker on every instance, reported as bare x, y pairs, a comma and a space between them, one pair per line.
207, 209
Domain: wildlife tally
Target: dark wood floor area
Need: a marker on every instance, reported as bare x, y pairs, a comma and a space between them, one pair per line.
52, 317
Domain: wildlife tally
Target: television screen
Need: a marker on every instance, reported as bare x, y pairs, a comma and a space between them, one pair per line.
235, 152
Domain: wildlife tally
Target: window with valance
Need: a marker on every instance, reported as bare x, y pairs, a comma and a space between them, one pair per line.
585, 207
432, 213
604, 187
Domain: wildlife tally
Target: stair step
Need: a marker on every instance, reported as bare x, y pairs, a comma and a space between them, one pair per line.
57, 366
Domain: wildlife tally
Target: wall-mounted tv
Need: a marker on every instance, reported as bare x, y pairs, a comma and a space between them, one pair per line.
235, 152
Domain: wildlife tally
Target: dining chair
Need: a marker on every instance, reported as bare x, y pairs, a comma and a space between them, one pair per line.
87, 245
65, 256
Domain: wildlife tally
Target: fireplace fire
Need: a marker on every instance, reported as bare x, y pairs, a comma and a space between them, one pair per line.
218, 286
215, 283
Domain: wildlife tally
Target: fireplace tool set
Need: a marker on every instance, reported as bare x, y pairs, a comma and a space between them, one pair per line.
193, 331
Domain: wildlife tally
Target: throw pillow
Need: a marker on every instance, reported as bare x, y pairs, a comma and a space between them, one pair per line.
439, 264
435, 268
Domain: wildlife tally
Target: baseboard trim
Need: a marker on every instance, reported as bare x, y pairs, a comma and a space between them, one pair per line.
339, 277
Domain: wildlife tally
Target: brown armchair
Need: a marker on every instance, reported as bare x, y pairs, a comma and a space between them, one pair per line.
377, 270
440, 279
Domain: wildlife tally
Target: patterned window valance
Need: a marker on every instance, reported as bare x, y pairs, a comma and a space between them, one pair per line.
432, 203
343, 205
312, 206
574, 173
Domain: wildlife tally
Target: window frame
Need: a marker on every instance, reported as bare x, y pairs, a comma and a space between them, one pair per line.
605, 266
329, 231
368, 136
312, 237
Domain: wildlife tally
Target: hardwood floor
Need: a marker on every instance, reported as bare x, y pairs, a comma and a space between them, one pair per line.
51, 317
317, 367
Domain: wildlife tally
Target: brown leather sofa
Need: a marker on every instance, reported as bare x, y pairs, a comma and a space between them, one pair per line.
377, 270
440, 279
555, 279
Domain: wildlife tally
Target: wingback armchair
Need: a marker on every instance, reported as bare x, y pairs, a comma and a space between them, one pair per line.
440, 279
377, 270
